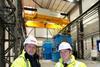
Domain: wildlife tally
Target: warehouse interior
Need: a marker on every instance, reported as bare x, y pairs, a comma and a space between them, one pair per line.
76, 20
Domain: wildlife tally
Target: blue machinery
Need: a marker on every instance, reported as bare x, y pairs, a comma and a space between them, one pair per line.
47, 49
50, 47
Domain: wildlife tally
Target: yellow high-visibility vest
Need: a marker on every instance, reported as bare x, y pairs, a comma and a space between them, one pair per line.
21, 61
73, 63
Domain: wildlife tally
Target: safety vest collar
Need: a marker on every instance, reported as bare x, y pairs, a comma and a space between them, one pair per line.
72, 60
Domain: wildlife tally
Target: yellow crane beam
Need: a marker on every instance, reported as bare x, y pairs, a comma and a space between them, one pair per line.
42, 25
39, 17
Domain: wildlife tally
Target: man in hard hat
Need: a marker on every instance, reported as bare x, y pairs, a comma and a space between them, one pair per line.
28, 58
67, 59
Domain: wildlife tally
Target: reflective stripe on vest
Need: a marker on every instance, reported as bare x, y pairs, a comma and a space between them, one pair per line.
77, 64
27, 63
58, 64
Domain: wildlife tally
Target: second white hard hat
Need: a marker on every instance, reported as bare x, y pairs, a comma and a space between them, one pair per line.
64, 45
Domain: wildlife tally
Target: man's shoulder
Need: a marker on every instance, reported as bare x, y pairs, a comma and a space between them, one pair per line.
58, 64
80, 64
19, 58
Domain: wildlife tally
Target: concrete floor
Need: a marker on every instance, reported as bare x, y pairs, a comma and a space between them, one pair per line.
48, 63
90, 63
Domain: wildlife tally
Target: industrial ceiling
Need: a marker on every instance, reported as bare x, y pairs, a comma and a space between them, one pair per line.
62, 7
47, 13
53, 5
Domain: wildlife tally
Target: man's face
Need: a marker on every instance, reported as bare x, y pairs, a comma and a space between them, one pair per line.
30, 49
65, 54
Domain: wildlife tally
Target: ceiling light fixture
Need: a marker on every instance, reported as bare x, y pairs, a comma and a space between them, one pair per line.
71, 1
64, 14
31, 9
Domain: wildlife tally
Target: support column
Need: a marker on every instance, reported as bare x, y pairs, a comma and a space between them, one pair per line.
2, 36
78, 42
80, 33
99, 17
92, 43
99, 22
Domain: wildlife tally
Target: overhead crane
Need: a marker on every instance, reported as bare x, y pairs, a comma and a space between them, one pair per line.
35, 19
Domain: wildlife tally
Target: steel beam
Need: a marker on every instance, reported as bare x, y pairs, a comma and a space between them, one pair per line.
14, 30
37, 3
99, 17
2, 46
78, 21
80, 33
86, 13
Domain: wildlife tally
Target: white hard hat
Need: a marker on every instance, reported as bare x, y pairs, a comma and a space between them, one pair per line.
30, 40
64, 45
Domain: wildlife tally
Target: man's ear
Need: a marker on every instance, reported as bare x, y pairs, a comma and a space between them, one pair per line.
24, 48
71, 52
